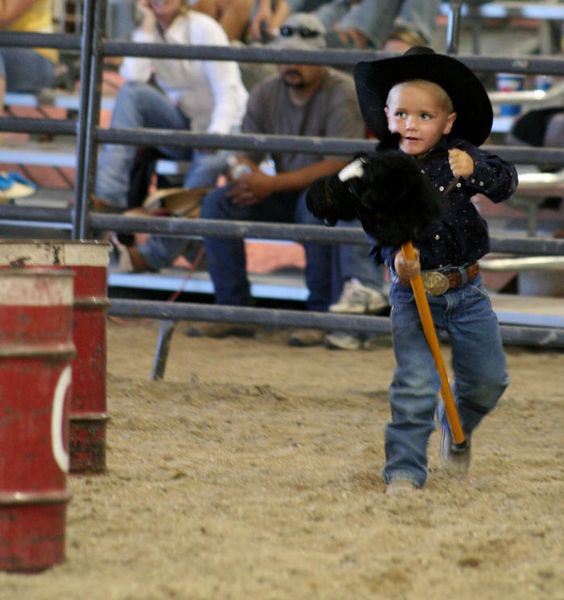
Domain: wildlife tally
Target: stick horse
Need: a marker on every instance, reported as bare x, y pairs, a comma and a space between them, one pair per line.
396, 206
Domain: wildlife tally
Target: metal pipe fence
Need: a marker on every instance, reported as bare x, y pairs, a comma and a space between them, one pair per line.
93, 48
199, 228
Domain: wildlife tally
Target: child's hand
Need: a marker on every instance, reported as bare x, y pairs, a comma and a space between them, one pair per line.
407, 269
461, 163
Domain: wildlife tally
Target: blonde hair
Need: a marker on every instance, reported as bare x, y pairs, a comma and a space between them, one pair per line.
435, 88
410, 37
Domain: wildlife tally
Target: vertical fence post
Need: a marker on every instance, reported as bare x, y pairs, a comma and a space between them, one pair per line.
89, 115
453, 27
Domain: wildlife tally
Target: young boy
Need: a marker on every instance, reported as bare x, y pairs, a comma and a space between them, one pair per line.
440, 113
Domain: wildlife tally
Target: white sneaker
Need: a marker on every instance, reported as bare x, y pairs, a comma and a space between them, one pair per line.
120, 260
341, 340
358, 299
456, 462
401, 487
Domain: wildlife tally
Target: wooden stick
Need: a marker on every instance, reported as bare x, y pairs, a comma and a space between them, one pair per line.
433, 342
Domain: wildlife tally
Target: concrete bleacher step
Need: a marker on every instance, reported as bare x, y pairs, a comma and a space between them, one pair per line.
276, 286
52, 154
52, 97
64, 154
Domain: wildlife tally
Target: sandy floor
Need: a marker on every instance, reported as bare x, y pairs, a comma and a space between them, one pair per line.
253, 472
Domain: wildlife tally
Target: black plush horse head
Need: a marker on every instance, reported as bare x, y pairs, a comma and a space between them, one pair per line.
386, 191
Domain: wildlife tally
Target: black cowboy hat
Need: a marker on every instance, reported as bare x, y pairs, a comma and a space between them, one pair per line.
374, 80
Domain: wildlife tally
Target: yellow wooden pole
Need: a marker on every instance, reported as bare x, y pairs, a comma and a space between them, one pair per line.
433, 342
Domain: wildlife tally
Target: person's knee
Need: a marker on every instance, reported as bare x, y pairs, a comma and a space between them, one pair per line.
484, 390
214, 205
302, 214
133, 91
489, 391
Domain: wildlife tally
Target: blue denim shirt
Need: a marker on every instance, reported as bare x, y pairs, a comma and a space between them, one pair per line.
460, 237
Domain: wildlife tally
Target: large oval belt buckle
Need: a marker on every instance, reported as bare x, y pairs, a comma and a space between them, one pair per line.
435, 283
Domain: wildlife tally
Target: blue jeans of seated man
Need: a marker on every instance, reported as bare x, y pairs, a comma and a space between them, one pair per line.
25, 70
352, 261
478, 363
142, 105
347, 260
226, 257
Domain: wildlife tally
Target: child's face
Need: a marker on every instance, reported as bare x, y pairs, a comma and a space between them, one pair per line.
419, 112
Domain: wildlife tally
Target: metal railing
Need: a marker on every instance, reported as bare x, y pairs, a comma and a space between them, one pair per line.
93, 48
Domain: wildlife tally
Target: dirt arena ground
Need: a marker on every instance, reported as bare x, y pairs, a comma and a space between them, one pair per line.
253, 472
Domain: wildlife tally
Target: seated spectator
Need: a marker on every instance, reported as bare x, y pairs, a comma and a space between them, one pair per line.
304, 100
196, 95
232, 15
312, 101
403, 38
542, 127
367, 24
26, 69
245, 20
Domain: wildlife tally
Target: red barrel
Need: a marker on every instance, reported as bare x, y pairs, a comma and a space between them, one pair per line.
36, 351
89, 261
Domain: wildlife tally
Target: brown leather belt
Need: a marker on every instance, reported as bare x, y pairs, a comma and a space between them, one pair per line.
437, 283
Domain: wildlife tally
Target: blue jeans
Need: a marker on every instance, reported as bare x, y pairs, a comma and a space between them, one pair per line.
376, 18
142, 105
226, 257
353, 261
478, 363
25, 70
227, 261
347, 260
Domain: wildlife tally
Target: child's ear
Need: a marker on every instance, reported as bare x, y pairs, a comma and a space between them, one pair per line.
450, 122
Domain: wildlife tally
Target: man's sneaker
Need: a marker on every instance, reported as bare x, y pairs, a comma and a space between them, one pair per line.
358, 299
302, 338
220, 330
120, 260
14, 185
126, 259
401, 487
341, 340
455, 461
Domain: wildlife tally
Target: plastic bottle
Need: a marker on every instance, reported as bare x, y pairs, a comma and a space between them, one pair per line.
237, 169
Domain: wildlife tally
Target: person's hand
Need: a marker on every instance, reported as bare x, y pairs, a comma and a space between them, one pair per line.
407, 269
148, 17
461, 163
262, 19
250, 189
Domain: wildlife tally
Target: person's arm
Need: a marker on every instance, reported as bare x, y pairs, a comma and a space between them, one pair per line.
256, 186
491, 175
224, 77
141, 68
272, 19
280, 14
12, 10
